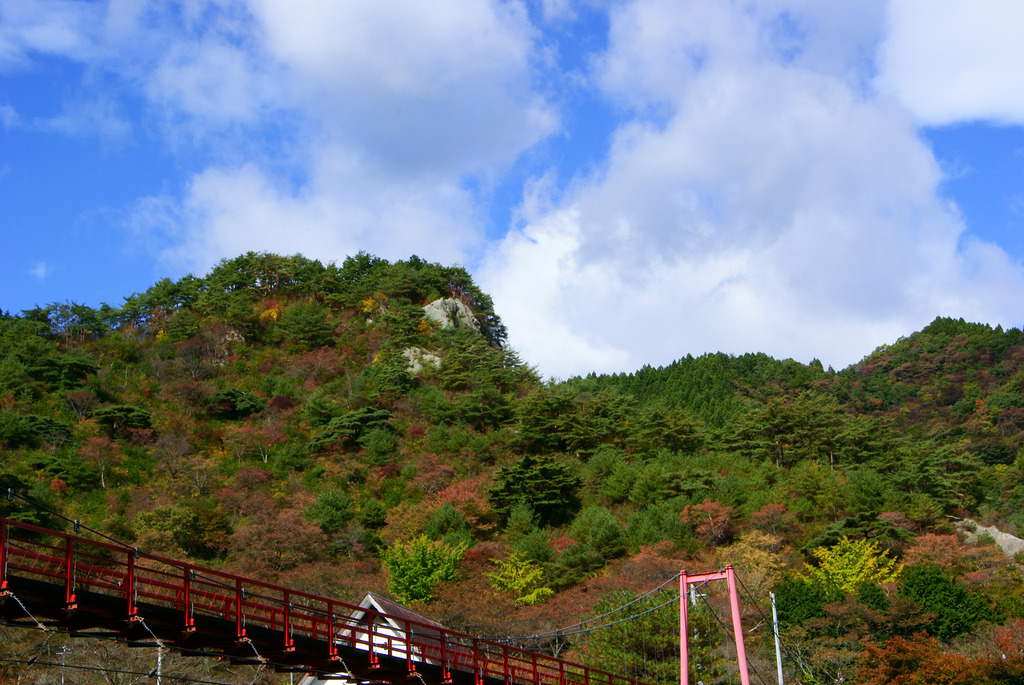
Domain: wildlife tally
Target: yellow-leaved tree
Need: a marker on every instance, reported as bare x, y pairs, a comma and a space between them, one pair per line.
517, 576
848, 564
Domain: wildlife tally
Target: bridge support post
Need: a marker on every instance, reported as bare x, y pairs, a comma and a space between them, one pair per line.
737, 627
684, 647
685, 581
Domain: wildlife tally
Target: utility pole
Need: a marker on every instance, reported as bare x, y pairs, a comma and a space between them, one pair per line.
778, 642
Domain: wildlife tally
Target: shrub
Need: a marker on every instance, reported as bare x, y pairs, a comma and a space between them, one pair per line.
848, 564
233, 403
598, 530
332, 510
548, 486
306, 327
518, 577
415, 567
449, 525
956, 609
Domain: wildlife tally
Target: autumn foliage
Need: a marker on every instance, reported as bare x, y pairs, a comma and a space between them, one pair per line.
266, 418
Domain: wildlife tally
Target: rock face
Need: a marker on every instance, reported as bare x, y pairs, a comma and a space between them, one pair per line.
419, 358
224, 341
450, 312
1010, 544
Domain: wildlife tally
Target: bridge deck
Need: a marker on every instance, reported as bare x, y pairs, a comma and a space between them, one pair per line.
80, 584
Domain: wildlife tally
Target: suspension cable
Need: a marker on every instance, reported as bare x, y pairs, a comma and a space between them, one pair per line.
726, 629
785, 647
100, 669
580, 627
583, 628
262, 660
186, 651
571, 629
27, 612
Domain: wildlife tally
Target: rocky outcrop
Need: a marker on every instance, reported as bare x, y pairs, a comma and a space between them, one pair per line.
419, 359
447, 312
224, 341
450, 312
973, 531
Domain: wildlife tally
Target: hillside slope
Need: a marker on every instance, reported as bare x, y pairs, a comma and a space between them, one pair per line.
321, 425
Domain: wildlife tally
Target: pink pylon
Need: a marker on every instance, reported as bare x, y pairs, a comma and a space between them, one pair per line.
684, 657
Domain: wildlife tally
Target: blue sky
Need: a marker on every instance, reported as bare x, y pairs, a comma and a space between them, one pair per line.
632, 180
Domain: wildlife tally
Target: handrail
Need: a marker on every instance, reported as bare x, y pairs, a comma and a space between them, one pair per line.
83, 563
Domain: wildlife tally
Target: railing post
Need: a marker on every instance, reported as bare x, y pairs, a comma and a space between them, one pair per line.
130, 583
69, 574
504, 658
239, 615
446, 674
561, 672
289, 643
190, 622
408, 648
3, 557
476, 661
536, 673
353, 632
332, 647
371, 638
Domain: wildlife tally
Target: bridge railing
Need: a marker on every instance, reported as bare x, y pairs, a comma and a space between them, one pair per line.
144, 580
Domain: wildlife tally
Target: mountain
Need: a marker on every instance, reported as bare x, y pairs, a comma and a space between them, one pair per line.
332, 427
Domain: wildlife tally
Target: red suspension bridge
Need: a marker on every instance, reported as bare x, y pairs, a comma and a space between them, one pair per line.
61, 580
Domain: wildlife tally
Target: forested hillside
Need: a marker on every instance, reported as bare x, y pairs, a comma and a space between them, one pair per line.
339, 429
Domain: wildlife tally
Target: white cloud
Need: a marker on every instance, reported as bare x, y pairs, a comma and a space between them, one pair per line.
558, 10
60, 27
80, 118
657, 47
952, 61
395, 104
762, 191
423, 87
768, 207
94, 117
321, 127
539, 288
9, 116
40, 271
215, 82
228, 211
